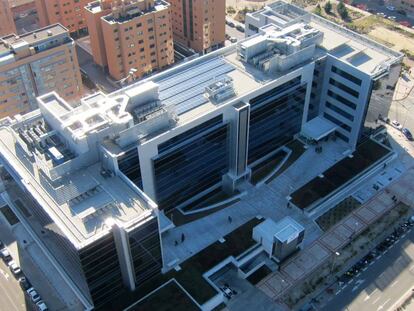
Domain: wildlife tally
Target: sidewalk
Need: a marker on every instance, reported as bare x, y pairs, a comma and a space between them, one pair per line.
404, 86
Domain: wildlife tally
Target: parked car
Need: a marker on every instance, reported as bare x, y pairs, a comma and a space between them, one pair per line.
405, 23
41, 306
5, 254
382, 15
390, 8
231, 24
24, 283
14, 267
393, 18
34, 296
233, 40
396, 124
240, 28
407, 133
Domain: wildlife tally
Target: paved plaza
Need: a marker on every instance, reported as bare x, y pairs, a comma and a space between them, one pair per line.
267, 200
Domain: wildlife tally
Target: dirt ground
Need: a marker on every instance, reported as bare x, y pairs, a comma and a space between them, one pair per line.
398, 40
242, 3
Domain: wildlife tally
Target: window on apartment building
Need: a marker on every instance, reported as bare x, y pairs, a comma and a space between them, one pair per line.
139, 25
152, 46
150, 29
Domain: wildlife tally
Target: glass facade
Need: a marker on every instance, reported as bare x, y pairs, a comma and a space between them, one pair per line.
316, 90
129, 164
346, 75
102, 270
381, 98
343, 87
144, 243
274, 120
195, 162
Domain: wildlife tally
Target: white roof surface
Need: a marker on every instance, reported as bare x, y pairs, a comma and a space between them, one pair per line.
318, 128
284, 230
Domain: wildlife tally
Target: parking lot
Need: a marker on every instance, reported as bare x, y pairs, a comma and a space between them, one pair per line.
232, 32
384, 9
19, 293
12, 297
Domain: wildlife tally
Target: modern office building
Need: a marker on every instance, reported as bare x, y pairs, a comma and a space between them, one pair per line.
36, 63
7, 25
199, 24
90, 171
130, 35
69, 13
350, 78
99, 228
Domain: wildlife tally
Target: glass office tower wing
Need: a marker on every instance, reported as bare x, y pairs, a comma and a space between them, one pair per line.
274, 120
192, 166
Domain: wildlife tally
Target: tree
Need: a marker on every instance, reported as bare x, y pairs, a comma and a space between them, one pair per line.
328, 7
318, 10
342, 10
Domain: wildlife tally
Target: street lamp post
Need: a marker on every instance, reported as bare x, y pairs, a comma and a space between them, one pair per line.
334, 260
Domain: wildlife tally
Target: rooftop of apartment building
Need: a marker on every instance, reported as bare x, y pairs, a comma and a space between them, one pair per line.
126, 10
15, 46
62, 168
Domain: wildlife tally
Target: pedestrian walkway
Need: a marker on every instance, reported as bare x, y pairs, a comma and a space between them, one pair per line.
267, 200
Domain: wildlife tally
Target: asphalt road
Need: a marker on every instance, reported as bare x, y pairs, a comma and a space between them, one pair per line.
12, 297
94, 72
403, 112
382, 283
26, 24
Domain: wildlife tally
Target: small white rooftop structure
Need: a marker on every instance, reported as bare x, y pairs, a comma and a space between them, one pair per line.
318, 128
277, 238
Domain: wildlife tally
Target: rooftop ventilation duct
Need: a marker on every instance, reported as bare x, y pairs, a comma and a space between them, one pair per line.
220, 90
